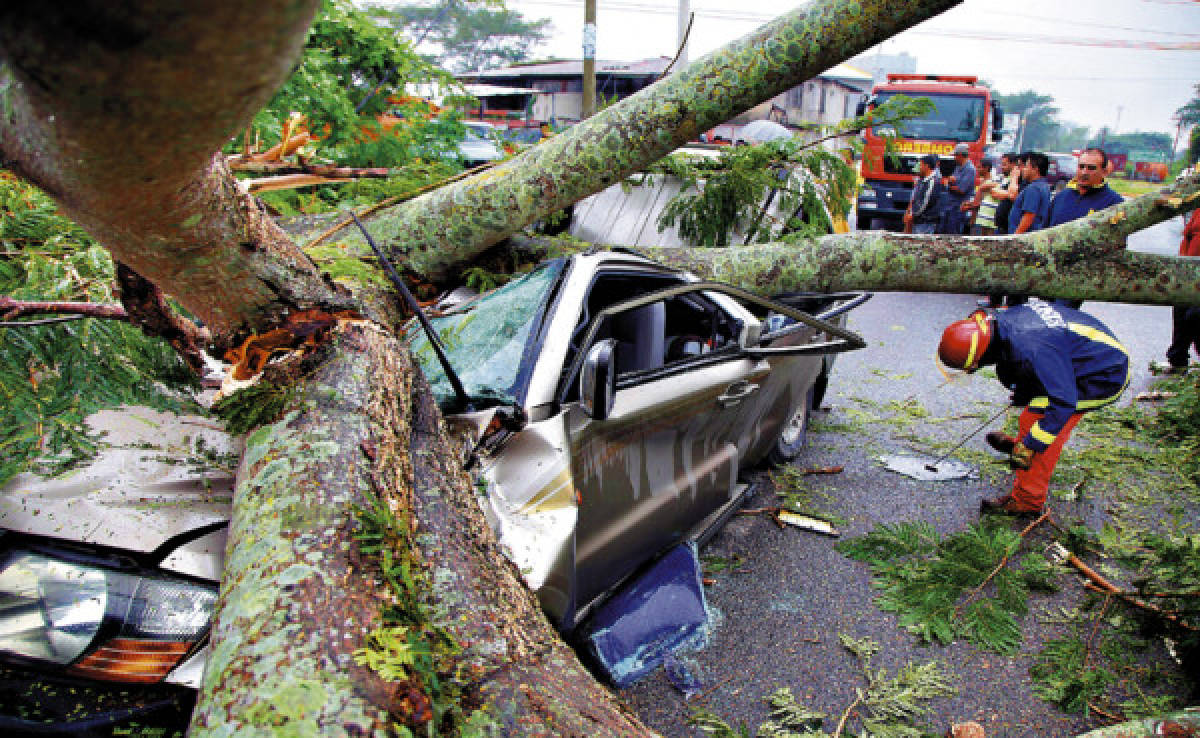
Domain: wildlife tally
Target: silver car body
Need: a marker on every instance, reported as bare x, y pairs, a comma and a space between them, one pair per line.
580, 503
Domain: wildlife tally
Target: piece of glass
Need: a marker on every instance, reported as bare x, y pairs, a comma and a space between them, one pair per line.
485, 340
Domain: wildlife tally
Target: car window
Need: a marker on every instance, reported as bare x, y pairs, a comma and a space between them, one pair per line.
660, 335
486, 339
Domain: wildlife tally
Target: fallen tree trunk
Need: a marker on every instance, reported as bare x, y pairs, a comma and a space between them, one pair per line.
1084, 259
299, 598
435, 233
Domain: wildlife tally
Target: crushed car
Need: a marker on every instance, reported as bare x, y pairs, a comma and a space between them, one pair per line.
613, 402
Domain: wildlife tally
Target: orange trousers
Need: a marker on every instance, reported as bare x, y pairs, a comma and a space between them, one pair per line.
1031, 485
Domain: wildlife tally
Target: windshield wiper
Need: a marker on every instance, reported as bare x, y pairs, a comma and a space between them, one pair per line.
463, 401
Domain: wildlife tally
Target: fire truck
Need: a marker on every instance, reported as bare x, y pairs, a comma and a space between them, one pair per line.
963, 112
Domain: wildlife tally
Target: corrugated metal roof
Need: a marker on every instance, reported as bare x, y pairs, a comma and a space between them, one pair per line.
574, 68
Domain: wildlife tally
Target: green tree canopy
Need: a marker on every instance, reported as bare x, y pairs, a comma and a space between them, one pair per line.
1040, 115
349, 70
470, 34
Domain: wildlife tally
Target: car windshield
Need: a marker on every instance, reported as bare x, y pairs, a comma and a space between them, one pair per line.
953, 118
485, 339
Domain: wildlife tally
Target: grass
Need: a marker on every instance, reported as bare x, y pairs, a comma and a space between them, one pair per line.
1134, 188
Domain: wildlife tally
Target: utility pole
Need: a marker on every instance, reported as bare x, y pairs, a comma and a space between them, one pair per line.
685, 17
589, 59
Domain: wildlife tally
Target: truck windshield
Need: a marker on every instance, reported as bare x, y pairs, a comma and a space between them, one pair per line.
953, 118
486, 339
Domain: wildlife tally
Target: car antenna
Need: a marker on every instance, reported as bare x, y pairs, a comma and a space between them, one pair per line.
464, 401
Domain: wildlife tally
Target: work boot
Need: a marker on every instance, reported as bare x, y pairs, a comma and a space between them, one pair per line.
1004, 505
1002, 442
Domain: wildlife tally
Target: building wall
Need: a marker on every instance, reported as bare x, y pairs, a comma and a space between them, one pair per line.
558, 106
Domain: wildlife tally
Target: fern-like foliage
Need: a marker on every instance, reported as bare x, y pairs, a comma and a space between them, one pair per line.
934, 585
52, 377
1060, 677
808, 184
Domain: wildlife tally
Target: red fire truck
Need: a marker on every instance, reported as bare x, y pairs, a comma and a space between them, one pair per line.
963, 112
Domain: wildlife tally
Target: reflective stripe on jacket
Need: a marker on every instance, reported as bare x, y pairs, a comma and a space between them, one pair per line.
1057, 360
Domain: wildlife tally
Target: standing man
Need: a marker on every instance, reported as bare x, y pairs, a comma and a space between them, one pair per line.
1059, 363
981, 209
1032, 206
1087, 193
1185, 321
923, 213
960, 187
1083, 196
1006, 193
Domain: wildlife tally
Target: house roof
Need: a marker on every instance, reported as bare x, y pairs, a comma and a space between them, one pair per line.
574, 68
846, 73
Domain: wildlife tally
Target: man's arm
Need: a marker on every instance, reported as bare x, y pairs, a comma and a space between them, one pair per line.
1025, 224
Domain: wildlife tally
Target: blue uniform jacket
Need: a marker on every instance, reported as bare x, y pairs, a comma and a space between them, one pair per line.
1057, 360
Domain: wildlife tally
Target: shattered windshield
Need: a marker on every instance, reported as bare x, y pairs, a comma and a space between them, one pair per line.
953, 118
486, 339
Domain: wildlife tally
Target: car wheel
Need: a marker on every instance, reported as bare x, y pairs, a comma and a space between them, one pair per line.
794, 435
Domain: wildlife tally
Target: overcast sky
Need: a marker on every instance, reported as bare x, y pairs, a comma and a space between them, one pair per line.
1070, 49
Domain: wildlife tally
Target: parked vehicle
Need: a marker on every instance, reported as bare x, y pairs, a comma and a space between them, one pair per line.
631, 396
964, 112
1062, 169
480, 144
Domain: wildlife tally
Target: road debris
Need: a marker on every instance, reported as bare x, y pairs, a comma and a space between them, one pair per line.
824, 470
918, 467
796, 520
1154, 395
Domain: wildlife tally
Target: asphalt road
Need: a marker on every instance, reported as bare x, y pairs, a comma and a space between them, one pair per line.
780, 613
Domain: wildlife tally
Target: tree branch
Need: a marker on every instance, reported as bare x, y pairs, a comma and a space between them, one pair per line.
450, 226
1084, 259
10, 309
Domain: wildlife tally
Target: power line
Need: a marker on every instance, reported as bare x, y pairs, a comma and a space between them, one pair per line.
726, 15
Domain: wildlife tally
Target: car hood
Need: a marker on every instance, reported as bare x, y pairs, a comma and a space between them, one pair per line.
162, 476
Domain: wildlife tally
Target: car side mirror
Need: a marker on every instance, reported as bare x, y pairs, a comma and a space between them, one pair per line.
997, 122
598, 379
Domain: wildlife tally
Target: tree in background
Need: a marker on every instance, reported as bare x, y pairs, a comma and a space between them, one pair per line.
470, 34
1040, 116
1189, 115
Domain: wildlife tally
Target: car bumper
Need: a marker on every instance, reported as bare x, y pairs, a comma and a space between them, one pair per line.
32, 703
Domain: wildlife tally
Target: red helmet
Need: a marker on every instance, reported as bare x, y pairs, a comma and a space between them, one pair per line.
964, 341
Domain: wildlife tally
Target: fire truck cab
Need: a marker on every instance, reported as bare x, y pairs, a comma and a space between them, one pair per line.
963, 112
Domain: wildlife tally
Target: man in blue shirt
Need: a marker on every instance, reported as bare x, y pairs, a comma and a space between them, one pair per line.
1032, 206
1086, 194
960, 187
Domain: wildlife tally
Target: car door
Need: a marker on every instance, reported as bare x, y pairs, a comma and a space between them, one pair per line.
665, 458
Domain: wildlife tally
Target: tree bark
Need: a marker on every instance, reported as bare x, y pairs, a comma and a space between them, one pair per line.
433, 234
1084, 259
298, 598
116, 110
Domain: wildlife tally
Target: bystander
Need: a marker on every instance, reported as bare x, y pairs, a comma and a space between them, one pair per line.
960, 187
1084, 195
923, 214
1185, 320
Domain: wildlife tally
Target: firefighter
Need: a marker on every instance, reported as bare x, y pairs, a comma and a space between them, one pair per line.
1059, 363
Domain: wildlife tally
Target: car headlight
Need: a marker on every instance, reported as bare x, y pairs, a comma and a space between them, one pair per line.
98, 622
867, 193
